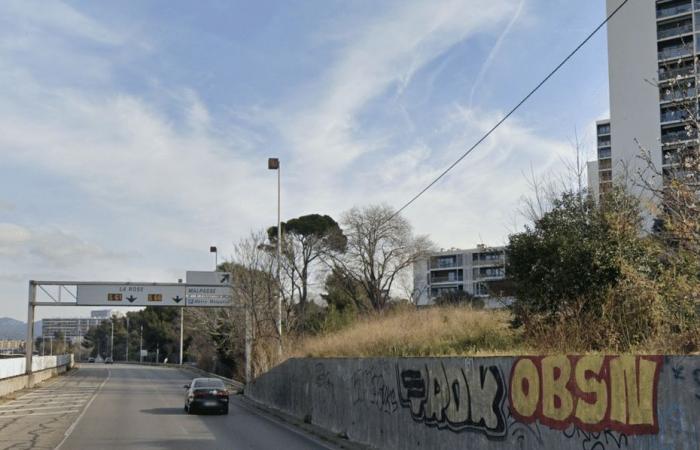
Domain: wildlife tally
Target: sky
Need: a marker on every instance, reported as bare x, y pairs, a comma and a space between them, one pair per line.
134, 135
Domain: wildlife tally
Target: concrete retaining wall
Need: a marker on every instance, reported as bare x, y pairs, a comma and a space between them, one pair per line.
551, 402
44, 368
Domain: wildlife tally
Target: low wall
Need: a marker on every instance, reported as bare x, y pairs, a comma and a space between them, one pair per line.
551, 402
12, 367
56, 366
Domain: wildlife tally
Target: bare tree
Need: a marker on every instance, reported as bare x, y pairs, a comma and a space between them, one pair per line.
545, 189
255, 289
380, 247
675, 185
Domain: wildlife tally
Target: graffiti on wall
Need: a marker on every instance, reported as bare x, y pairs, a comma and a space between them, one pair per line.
369, 387
468, 398
594, 392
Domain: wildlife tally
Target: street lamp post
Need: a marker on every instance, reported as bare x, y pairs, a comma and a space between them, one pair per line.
213, 250
111, 341
127, 338
141, 345
274, 164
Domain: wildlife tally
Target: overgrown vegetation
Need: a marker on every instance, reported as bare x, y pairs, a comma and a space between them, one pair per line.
588, 278
406, 331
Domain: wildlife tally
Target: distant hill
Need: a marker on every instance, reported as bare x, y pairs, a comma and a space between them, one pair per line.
15, 329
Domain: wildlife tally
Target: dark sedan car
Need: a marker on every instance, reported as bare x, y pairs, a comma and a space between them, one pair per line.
206, 394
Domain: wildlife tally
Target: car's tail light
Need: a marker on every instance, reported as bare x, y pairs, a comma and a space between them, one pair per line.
223, 393
198, 394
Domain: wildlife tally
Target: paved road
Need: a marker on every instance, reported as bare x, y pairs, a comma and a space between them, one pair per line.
134, 407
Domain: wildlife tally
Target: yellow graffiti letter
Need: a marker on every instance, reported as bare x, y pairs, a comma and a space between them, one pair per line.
525, 404
555, 387
591, 412
632, 396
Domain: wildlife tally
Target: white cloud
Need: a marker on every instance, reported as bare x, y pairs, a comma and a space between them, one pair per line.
50, 246
12, 237
385, 51
494, 51
56, 17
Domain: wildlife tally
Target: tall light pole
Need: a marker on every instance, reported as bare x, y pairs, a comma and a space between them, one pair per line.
127, 338
141, 345
213, 250
111, 341
274, 164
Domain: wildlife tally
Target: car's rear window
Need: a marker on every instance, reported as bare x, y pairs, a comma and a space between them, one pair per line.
208, 384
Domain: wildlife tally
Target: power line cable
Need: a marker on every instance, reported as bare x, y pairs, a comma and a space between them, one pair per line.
513, 110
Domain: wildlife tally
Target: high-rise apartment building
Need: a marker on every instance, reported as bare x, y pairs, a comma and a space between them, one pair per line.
600, 171
651, 61
457, 270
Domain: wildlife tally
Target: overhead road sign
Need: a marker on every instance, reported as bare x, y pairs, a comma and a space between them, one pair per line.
130, 294
208, 278
211, 296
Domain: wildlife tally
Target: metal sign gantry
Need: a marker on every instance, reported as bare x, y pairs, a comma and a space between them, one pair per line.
203, 289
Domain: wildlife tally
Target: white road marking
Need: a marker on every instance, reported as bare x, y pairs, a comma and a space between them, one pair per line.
70, 429
55, 396
24, 408
40, 414
4, 409
45, 402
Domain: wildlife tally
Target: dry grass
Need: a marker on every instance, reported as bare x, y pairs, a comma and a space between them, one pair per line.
445, 331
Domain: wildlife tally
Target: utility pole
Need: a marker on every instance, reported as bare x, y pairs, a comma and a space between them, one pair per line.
141, 345
157, 353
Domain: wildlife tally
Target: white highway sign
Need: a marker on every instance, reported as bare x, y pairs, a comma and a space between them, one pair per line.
208, 278
129, 294
209, 296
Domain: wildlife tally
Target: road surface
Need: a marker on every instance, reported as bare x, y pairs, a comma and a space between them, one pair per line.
135, 407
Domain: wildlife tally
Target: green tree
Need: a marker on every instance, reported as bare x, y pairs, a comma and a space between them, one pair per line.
578, 258
306, 239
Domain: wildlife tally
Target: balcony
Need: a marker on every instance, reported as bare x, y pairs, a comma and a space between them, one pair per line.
604, 153
673, 10
445, 262
673, 115
680, 72
675, 52
677, 136
678, 30
446, 279
603, 130
668, 95
603, 142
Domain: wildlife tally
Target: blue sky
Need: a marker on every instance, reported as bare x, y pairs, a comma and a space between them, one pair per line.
134, 134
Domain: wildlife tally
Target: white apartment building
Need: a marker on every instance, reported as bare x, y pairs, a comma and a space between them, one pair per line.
651, 67
457, 270
72, 328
